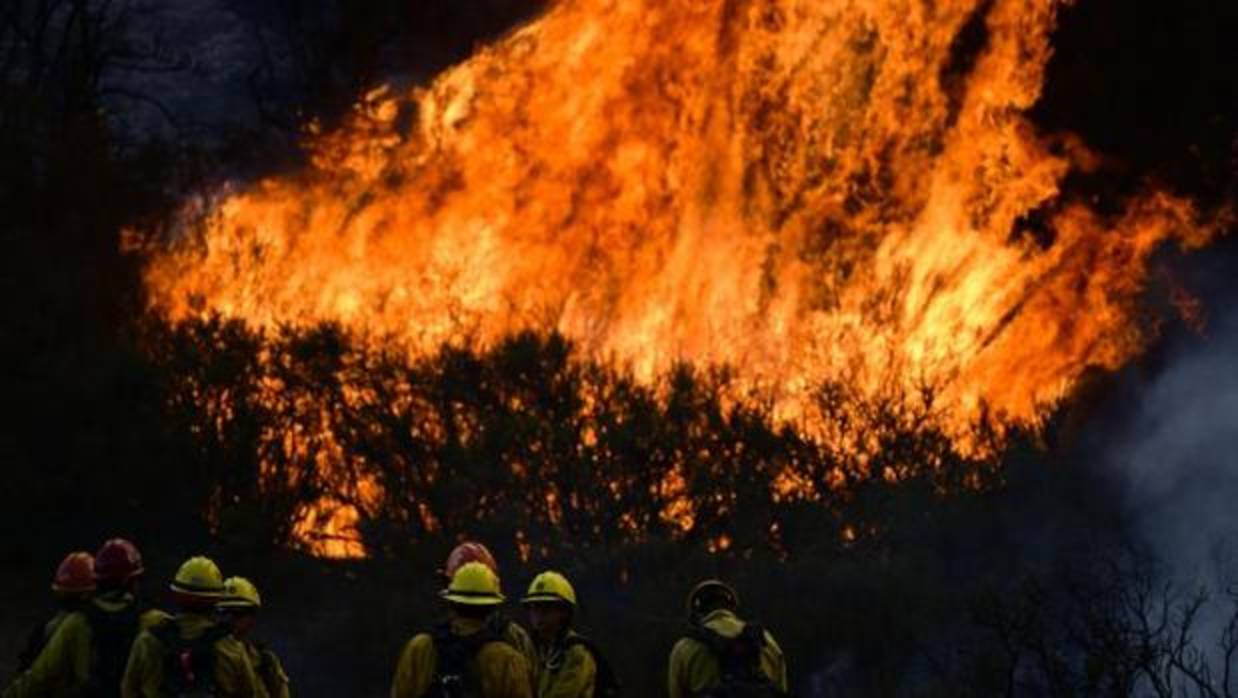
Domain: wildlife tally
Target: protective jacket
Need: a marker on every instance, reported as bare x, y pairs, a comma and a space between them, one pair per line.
694, 669
272, 680
67, 662
567, 669
518, 637
39, 638
499, 669
233, 674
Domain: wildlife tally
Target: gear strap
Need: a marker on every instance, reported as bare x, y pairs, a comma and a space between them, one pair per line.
455, 652
606, 683
188, 663
738, 656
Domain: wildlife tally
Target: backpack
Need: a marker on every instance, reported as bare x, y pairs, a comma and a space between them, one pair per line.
605, 684
35, 643
188, 665
38, 638
739, 659
112, 634
452, 677
267, 670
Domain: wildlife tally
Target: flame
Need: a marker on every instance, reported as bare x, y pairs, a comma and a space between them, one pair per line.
798, 189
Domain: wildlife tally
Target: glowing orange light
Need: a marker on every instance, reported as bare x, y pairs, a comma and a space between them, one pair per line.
797, 189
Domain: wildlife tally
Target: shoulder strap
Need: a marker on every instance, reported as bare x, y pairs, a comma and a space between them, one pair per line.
188, 663
264, 657
607, 682
754, 633
112, 633
739, 655
712, 640
582, 641
269, 668
126, 617
454, 654
35, 643
167, 633
455, 651
212, 635
498, 622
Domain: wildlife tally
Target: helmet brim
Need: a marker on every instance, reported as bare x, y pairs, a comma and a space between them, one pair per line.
555, 599
63, 589
235, 605
467, 599
190, 591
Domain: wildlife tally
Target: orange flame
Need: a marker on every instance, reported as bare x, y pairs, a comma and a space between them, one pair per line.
799, 189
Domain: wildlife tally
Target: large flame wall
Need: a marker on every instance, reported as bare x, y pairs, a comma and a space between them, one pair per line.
801, 189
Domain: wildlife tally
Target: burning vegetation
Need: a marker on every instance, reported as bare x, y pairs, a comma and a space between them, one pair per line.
360, 450
809, 194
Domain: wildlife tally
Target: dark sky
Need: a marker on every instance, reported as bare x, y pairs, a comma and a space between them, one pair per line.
1151, 85
229, 46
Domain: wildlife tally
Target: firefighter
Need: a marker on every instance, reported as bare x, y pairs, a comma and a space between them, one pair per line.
512, 632
209, 660
88, 651
465, 655
721, 654
570, 664
72, 586
240, 609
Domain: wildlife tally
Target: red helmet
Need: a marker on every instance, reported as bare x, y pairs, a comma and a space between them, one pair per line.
118, 561
466, 552
75, 575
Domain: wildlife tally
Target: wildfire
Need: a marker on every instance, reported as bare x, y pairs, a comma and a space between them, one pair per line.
797, 189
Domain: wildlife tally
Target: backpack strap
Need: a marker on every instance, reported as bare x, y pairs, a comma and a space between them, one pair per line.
738, 656
754, 634
268, 668
212, 635
713, 640
112, 633
456, 651
182, 655
498, 622
266, 661
99, 618
38, 638
167, 633
606, 683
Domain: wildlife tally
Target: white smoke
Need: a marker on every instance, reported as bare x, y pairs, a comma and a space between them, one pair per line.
1176, 461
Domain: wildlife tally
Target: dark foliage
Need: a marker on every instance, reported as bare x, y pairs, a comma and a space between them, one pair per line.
530, 439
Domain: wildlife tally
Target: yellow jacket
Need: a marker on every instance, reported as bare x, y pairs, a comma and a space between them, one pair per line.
63, 667
518, 637
566, 670
501, 670
694, 669
234, 675
39, 637
272, 680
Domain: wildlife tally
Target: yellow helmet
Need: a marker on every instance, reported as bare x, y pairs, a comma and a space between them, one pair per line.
550, 587
474, 584
199, 577
240, 593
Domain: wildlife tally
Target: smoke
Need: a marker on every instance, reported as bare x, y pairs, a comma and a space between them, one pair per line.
1174, 459
1180, 458
1141, 84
